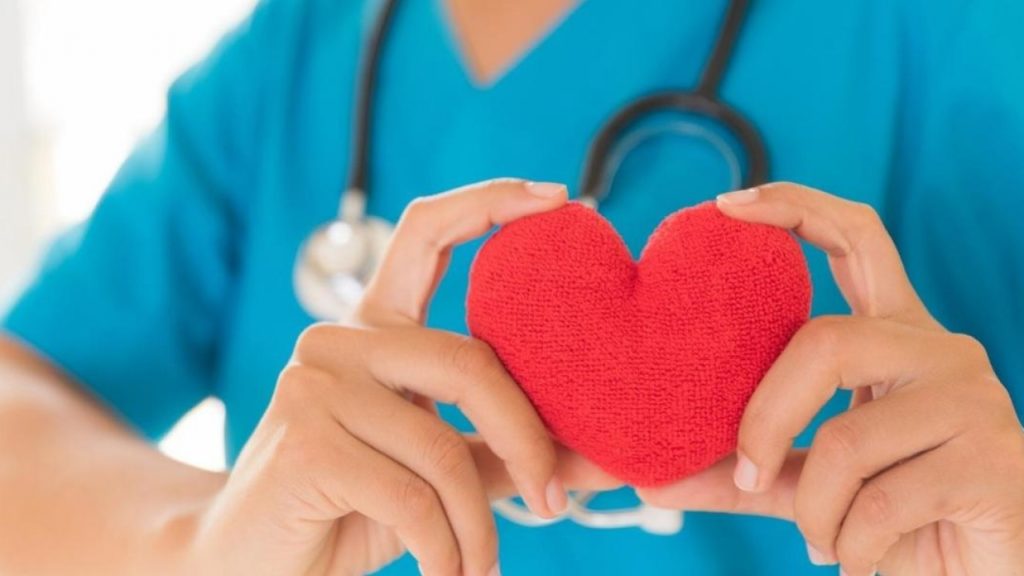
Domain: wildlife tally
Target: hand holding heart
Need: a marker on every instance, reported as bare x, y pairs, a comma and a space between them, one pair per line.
925, 473
351, 465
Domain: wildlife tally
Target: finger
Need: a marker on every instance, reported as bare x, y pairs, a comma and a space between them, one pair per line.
574, 470
713, 490
455, 370
430, 226
863, 257
855, 446
380, 488
432, 450
918, 492
827, 353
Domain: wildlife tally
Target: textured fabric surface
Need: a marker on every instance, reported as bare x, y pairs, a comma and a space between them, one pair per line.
643, 367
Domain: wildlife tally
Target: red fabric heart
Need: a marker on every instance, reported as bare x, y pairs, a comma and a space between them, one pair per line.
645, 368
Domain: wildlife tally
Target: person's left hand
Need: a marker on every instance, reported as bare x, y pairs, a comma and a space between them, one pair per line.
925, 473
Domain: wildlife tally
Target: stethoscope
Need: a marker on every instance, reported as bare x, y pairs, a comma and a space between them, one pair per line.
338, 259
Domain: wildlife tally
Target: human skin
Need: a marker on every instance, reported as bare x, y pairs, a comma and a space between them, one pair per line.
925, 473
349, 467
122, 507
922, 476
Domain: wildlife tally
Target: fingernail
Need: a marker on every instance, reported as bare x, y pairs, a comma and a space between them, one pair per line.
739, 196
817, 557
558, 501
545, 189
495, 571
746, 474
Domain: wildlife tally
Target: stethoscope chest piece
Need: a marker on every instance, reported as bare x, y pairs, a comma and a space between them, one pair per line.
338, 259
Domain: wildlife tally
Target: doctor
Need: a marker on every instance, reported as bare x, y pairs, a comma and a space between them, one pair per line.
179, 287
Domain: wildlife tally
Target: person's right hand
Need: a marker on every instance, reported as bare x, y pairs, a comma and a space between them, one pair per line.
351, 465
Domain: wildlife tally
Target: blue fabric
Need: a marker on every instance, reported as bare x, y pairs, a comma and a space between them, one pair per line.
179, 286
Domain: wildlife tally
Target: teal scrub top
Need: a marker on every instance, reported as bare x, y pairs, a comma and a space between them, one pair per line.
179, 286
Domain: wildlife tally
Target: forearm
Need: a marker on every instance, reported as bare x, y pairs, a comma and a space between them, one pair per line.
79, 493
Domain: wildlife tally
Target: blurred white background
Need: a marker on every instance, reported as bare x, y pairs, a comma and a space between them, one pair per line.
80, 83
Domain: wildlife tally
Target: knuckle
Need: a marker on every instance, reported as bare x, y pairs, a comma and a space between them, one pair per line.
969, 349
418, 209
837, 441
322, 337
297, 385
415, 498
977, 382
821, 336
291, 377
315, 336
866, 219
448, 453
417, 216
876, 505
868, 530
780, 190
469, 356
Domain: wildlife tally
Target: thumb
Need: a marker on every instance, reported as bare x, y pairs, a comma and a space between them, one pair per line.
714, 490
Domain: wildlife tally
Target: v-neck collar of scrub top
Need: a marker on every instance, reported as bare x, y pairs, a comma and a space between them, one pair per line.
460, 50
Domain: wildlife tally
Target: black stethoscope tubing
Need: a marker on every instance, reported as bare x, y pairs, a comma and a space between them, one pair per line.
703, 101
364, 104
